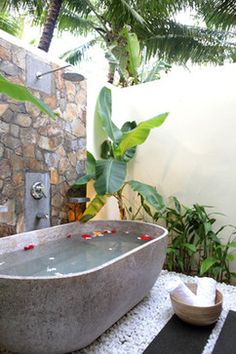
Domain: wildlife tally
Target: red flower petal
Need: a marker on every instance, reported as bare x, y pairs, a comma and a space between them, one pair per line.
145, 238
29, 247
86, 236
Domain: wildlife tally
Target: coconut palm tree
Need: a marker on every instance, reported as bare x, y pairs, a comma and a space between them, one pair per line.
157, 30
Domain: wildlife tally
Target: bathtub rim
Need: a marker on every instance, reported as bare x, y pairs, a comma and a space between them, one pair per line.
94, 269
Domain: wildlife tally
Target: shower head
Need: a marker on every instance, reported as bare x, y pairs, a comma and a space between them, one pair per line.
73, 76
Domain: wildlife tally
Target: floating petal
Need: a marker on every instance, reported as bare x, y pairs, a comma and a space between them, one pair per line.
29, 247
145, 238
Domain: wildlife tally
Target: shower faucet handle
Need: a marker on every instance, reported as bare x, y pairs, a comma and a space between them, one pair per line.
38, 190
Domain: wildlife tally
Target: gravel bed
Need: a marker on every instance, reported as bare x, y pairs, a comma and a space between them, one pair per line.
134, 331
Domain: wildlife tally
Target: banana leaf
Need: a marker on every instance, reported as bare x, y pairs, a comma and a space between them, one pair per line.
103, 113
94, 207
138, 135
149, 194
110, 176
91, 171
21, 93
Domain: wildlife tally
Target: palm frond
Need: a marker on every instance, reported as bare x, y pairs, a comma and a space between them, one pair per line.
10, 24
75, 24
76, 55
174, 42
220, 13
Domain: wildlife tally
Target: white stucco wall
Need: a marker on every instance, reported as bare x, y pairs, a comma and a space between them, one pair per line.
192, 155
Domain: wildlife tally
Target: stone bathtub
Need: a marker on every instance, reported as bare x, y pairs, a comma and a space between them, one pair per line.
60, 313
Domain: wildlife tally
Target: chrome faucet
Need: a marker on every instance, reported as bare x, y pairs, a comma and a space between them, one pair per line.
42, 216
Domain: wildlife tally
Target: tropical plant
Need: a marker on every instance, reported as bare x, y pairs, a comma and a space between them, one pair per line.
10, 24
219, 13
153, 22
195, 246
109, 173
21, 93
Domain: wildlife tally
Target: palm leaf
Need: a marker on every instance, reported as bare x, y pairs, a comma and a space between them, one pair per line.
10, 24
75, 24
221, 14
174, 42
76, 55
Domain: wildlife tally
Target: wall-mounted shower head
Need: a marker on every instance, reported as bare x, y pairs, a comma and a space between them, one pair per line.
73, 76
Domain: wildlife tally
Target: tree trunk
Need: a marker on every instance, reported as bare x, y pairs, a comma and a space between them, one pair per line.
50, 24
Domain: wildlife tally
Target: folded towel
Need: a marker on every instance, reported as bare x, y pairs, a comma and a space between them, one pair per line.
206, 292
180, 290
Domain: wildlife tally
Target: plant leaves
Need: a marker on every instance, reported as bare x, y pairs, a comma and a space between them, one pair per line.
21, 93
129, 154
91, 171
107, 149
103, 113
94, 207
90, 164
110, 176
127, 126
232, 244
207, 264
177, 204
149, 194
190, 247
82, 180
138, 135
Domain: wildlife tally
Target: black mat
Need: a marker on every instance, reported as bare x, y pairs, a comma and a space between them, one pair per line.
226, 342
178, 337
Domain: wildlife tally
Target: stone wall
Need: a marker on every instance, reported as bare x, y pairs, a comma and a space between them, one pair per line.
31, 141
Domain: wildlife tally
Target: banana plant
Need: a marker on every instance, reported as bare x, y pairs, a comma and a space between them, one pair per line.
109, 173
129, 60
21, 93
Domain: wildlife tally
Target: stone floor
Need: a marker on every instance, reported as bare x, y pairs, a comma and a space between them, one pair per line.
134, 331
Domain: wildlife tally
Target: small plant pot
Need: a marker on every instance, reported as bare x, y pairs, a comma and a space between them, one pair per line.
196, 315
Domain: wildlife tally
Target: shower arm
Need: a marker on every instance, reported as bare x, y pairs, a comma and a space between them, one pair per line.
39, 75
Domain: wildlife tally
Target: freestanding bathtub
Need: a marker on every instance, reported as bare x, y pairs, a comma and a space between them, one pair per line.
61, 313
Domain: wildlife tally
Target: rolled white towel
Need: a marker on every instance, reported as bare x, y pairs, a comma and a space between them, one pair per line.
206, 292
180, 290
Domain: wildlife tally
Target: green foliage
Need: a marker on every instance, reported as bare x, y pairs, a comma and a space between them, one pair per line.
94, 207
152, 22
148, 193
195, 246
110, 176
20, 93
10, 24
219, 13
109, 173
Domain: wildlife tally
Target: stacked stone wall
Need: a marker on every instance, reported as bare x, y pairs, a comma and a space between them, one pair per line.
31, 141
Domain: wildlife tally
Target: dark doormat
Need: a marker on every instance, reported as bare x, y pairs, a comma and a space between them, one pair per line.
178, 337
226, 342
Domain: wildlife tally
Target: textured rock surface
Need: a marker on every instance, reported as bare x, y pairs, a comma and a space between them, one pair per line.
61, 313
31, 141
135, 331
